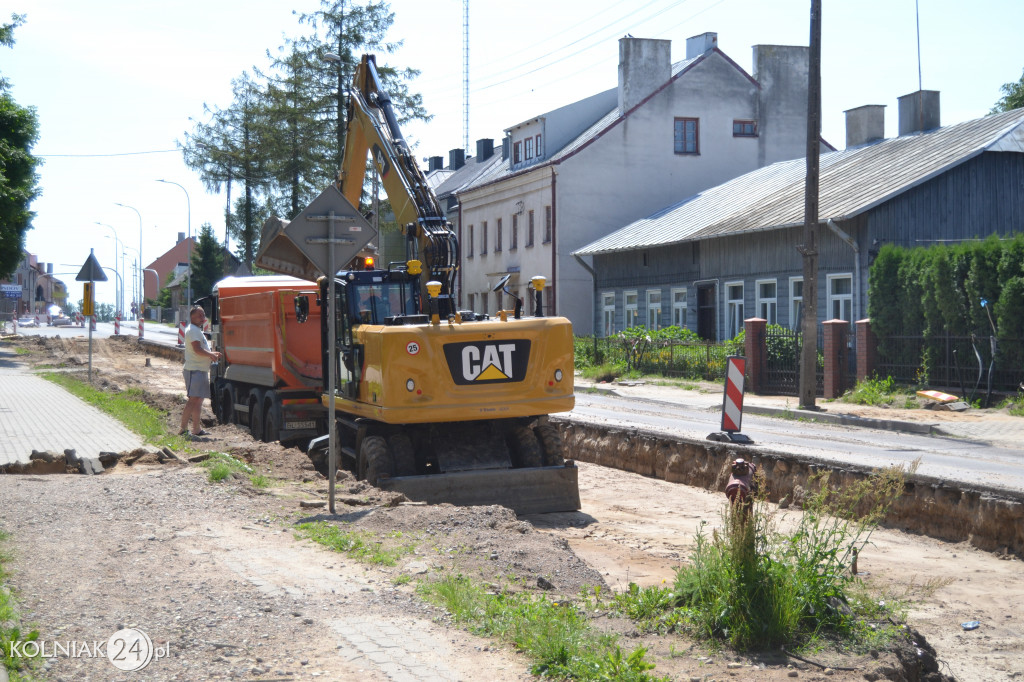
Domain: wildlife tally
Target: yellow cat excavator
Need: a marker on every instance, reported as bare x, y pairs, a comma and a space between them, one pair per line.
439, 403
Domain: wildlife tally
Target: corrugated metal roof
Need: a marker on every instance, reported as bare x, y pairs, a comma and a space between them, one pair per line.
851, 182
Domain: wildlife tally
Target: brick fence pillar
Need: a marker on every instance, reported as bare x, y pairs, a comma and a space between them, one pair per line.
757, 354
867, 350
835, 358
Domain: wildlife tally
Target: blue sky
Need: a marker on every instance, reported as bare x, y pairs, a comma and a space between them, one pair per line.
116, 82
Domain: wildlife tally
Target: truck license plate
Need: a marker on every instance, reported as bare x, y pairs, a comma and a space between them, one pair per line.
300, 425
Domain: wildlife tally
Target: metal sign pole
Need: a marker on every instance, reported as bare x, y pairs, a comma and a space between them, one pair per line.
332, 427
92, 307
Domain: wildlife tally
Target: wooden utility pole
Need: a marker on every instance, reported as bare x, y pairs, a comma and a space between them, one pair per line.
809, 248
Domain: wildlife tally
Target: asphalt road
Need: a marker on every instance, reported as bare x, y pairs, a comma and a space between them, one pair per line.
940, 457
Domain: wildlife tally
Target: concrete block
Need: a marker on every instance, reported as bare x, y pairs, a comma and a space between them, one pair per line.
90, 466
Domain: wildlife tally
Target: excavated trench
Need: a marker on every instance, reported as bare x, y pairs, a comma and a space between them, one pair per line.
989, 519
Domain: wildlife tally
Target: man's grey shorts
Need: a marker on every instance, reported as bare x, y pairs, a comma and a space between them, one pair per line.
197, 383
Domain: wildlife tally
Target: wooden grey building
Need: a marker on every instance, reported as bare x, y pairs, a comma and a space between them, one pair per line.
730, 252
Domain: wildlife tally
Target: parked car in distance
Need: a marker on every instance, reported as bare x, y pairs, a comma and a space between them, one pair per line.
28, 322
60, 321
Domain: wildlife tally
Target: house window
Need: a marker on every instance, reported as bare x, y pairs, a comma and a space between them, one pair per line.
517, 152
537, 145
498, 300
483, 302
471, 301
796, 302
744, 128
733, 308
529, 229
497, 236
470, 251
632, 311
840, 297
687, 136
654, 309
483, 238
767, 300
528, 148
608, 313
514, 240
547, 224
679, 307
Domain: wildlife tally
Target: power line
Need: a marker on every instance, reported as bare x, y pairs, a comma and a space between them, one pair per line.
90, 156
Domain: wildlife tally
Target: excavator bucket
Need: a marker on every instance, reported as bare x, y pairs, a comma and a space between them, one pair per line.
537, 490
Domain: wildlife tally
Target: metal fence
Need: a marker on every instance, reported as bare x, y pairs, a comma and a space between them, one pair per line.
782, 362
667, 357
960, 363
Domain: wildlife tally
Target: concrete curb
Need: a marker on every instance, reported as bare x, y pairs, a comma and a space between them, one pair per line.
808, 415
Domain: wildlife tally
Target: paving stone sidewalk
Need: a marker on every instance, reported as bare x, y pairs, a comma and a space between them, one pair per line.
36, 414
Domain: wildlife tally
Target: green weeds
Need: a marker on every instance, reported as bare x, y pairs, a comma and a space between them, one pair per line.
756, 588
556, 636
878, 392
360, 546
11, 635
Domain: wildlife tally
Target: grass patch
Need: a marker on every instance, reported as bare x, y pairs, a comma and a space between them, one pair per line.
11, 635
556, 636
1013, 405
361, 546
879, 392
128, 407
220, 466
756, 588
18, 350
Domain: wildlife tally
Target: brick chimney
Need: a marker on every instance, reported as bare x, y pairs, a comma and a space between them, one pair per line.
435, 163
865, 124
698, 45
645, 64
781, 70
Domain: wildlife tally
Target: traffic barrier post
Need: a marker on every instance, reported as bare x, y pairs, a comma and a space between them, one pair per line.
732, 402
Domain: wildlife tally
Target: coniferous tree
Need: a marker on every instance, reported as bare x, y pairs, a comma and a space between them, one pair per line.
207, 262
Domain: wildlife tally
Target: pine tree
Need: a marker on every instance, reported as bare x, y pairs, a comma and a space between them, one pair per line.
207, 262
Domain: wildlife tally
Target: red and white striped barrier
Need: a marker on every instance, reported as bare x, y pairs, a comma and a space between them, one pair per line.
206, 326
732, 403
140, 328
181, 333
117, 324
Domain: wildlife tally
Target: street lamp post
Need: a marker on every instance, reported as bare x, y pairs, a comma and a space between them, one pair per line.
188, 202
118, 300
135, 274
140, 234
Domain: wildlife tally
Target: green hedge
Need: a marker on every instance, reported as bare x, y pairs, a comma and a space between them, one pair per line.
930, 291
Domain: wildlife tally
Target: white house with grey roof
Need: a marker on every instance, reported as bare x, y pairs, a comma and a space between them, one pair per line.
730, 252
572, 175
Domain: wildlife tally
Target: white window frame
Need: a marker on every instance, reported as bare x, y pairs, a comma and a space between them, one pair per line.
845, 301
679, 307
654, 309
734, 309
796, 303
631, 311
771, 312
608, 312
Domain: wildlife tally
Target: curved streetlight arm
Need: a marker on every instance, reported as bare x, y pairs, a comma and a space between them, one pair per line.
140, 227
188, 203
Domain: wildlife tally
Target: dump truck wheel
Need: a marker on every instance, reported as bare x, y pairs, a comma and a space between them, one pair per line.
255, 417
525, 448
377, 461
551, 443
226, 406
271, 425
402, 454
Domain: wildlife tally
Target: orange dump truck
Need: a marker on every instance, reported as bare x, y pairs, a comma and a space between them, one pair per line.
269, 376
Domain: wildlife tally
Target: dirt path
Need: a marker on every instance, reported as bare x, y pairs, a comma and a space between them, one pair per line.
212, 572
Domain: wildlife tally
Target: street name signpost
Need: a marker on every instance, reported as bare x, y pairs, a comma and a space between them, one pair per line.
346, 233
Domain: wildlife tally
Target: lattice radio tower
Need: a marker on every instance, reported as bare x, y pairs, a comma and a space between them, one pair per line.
465, 75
